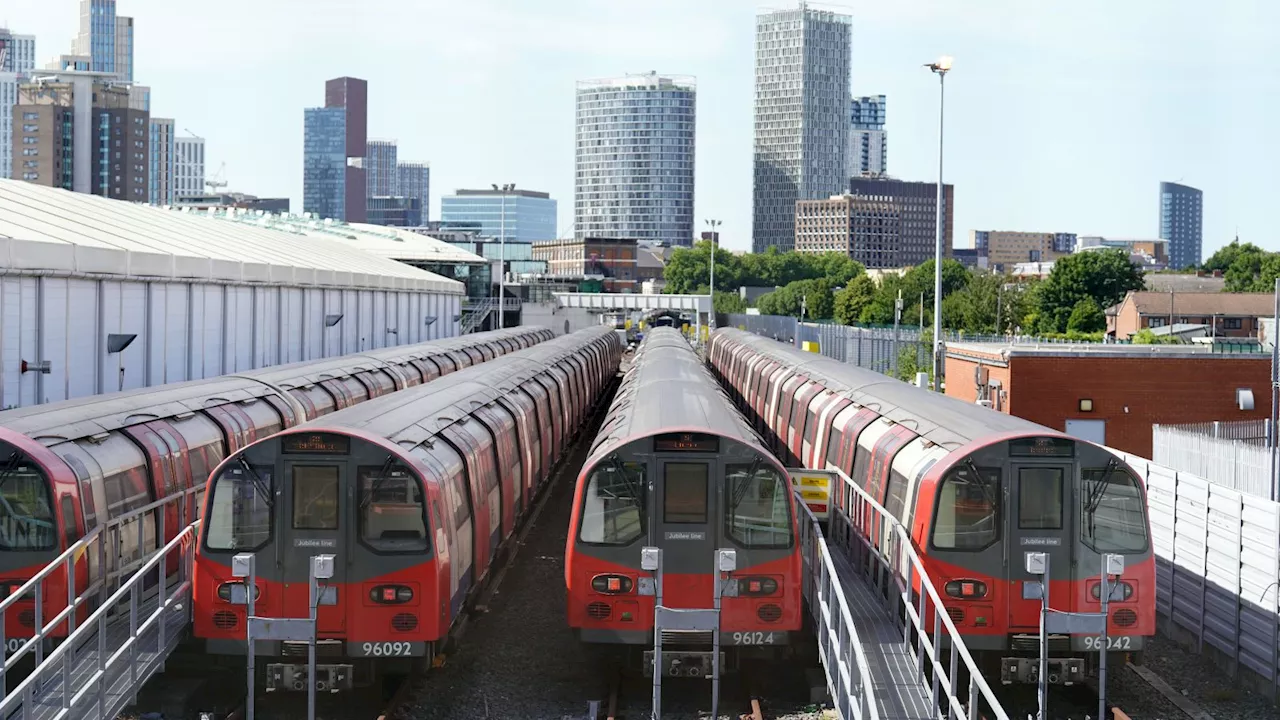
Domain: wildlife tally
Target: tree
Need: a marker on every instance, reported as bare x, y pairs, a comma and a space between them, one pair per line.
853, 299
729, 302
690, 268
814, 297
974, 307
1105, 276
1228, 254
1146, 337
1087, 317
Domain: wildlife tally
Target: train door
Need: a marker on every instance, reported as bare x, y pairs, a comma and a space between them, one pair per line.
686, 530
1037, 520
313, 507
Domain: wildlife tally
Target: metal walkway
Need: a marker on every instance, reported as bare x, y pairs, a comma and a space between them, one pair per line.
877, 667
111, 653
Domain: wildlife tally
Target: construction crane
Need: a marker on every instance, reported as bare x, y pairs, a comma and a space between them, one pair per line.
217, 183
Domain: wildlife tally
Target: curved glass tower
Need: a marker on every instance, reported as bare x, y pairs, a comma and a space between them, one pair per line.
1180, 223
633, 158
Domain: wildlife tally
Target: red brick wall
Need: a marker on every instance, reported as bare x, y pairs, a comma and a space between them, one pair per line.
1047, 390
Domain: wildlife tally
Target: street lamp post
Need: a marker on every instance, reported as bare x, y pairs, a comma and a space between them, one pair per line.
941, 67
502, 262
711, 318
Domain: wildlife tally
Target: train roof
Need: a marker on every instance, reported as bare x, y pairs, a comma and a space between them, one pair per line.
416, 414
668, 387
938, 418
88, 416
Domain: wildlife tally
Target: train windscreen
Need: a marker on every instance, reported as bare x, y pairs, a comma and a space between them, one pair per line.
758, 516
26, 507
239, 508
1113, 517
392, 515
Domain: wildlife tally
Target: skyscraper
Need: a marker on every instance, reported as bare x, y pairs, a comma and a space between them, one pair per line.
324, 165
188, 166
162, 158
381, 168
413, 180
517, 215
17, 52
1180, 223
352, 96
801, 117
634, 159
124, 48
98, 36
867, 142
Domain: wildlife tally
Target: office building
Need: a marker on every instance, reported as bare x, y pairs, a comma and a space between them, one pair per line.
918, 204
414, 180
501, 213
613, 259
124, 48
634, 158
868, 145
99, 38
381, 168
17, 60
335, 144
77, 131
162, 158
325, 163
1003, 248
17, 52
188, 166
394, 211
801, 117
70, 63
867, 229
1180, 223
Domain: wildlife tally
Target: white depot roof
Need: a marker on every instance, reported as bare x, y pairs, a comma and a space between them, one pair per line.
387, 242
47, 229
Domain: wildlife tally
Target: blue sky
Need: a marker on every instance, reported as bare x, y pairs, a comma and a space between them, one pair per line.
1061, 116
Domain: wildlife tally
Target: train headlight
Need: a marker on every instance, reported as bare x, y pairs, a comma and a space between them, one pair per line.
1120, 591
966, 589
612, 584
391, 594
757, 586
227, 593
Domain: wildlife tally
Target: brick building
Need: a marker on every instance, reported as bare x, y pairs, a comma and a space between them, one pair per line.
612, 258
1227, 314
1110, 394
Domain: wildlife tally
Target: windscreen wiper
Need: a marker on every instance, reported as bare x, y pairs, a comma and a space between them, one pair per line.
377, 482
259, 485
986, 492
632, 486
10, 464
1097, 492
737, 494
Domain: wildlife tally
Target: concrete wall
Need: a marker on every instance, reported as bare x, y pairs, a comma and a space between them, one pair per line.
189, 331
561, 320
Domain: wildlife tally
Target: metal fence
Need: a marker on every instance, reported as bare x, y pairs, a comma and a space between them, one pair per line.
1217, 571
1232, 455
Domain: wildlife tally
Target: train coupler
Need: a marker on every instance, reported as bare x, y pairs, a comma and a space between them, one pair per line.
684, 663
1062, 671
329, 678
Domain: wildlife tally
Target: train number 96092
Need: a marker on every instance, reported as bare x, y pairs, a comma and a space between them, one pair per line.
386, 649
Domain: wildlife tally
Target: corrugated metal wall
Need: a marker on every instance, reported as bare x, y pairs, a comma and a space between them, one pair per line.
1217, 571
188, 331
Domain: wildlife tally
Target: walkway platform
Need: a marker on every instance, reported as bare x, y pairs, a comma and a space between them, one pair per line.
900, 691
45, 698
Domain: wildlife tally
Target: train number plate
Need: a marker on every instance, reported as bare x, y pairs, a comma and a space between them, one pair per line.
13, 645
1115, 643
386, 649
755, 638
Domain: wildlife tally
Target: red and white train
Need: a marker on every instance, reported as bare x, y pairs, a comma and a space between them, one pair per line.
975, 488
414, 494
70, 467
676, 467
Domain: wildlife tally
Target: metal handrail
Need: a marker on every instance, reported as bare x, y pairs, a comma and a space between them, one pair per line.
863, 707
941, 621
66, 562
25, 692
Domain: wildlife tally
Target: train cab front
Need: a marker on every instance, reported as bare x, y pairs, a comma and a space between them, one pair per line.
663, 520
32, 535
1033, 512
351, 507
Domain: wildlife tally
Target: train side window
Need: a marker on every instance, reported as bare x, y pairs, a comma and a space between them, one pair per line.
392, 517
967, 516
1113, 518
315, 497
239, 508
758, 514
613, 506
684, 492
834, 445
1040, 498
70, 533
